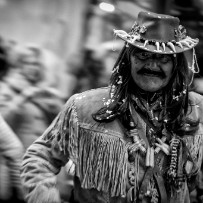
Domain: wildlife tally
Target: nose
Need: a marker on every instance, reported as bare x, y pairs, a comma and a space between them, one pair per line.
152, 64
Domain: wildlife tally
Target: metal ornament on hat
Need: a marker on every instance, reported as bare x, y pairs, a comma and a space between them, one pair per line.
180, 33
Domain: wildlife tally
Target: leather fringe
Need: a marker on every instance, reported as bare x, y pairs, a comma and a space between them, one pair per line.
64, 131
100, 159
194, 145
102, 162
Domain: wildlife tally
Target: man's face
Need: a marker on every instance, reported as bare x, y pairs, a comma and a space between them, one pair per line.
31, 68
151, 71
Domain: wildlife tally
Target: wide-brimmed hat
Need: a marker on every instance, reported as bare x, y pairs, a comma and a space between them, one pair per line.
158, 33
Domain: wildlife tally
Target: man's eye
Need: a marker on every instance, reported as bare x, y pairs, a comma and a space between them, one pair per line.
143, 55
165, 59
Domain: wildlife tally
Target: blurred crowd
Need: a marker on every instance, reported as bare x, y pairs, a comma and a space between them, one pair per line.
35, 84
30, 98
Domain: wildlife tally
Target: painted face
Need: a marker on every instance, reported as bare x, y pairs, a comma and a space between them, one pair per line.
150, 71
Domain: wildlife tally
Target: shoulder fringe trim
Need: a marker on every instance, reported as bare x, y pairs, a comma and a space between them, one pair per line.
102, 162
64, 131
100, 159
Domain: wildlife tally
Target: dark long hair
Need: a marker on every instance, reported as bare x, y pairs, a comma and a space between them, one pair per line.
176, 101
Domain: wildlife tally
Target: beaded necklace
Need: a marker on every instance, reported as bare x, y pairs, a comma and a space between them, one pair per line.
139, 147
159, 139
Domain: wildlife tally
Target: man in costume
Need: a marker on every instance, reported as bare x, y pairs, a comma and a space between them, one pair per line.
138, 140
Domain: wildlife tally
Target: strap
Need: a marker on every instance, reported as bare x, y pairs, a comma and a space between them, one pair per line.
143, 188
162, 190
152, 172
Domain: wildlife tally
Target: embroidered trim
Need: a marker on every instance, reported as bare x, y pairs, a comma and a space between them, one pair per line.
64, 130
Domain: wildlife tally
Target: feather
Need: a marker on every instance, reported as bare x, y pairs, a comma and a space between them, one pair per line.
121, 33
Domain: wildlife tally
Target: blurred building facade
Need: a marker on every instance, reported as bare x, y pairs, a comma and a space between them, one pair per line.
67, 27
53, 24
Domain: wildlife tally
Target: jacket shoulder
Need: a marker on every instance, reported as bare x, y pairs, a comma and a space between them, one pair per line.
90, 101
196, 102
92, 95
196, 99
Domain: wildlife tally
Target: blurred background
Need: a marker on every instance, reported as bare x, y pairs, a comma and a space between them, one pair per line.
55, 48
80, 33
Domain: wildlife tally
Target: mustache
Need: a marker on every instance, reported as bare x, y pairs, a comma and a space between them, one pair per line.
148, 71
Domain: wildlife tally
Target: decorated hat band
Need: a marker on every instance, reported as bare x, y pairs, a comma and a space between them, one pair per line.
158, 33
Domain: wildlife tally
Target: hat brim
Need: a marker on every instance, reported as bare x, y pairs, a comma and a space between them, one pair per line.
161, 50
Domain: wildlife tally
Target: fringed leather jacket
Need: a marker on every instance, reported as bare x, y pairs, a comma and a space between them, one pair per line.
104, 172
